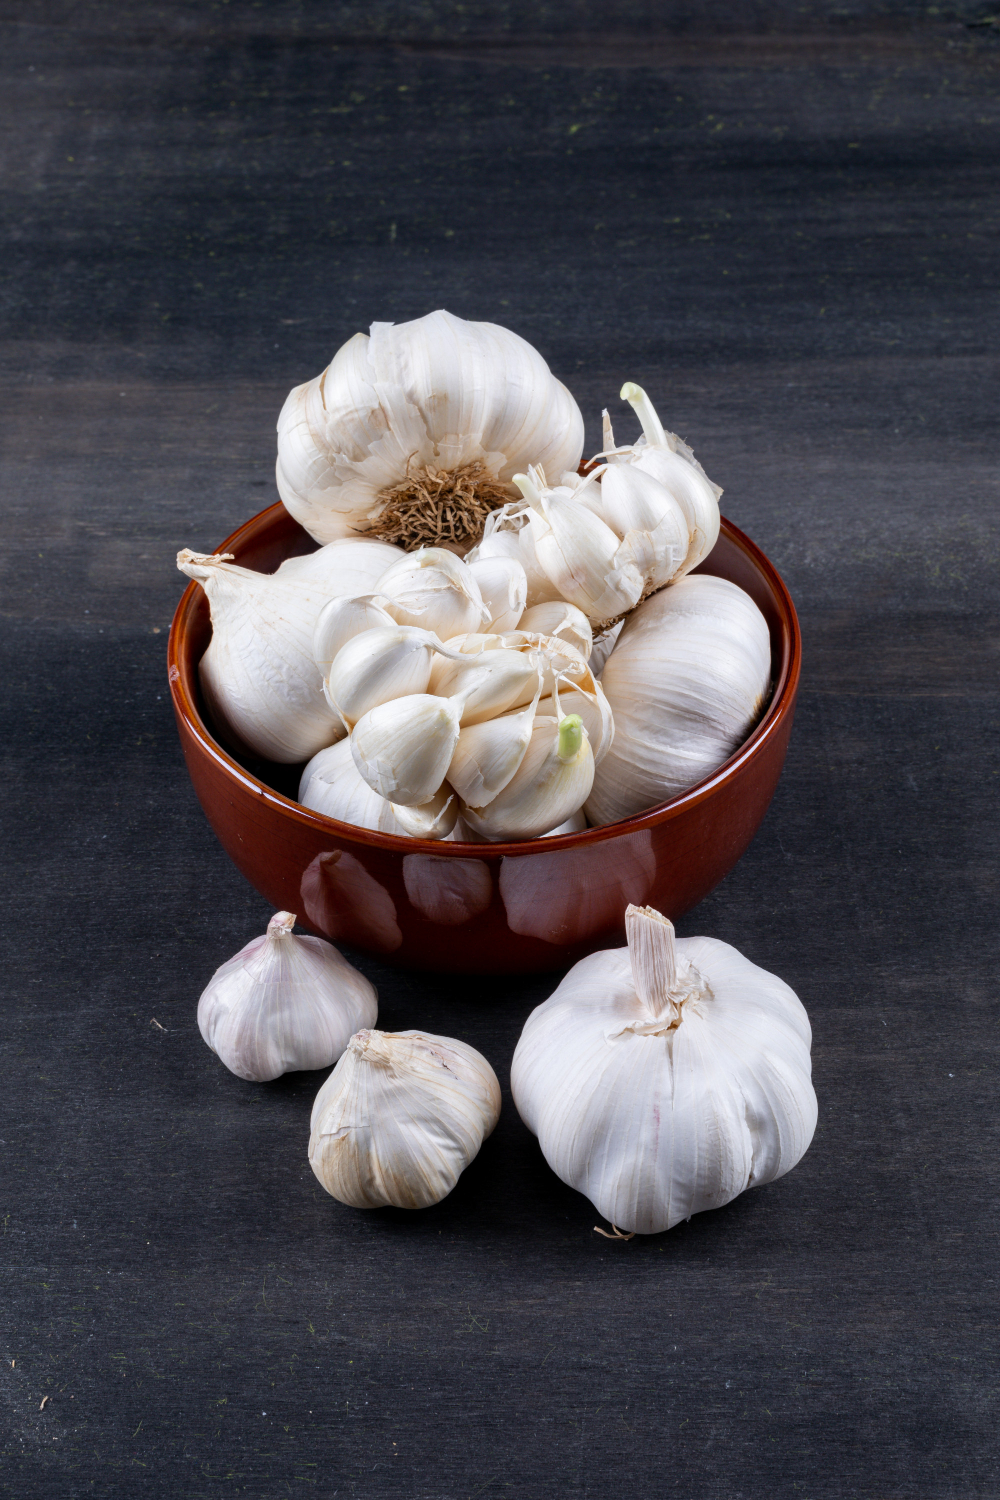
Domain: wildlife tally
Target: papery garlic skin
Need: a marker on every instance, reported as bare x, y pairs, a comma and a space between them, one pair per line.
686, 681
400, 1118
665, 1078
284, 1004
433, 589
260, 680
560, 620
435, 396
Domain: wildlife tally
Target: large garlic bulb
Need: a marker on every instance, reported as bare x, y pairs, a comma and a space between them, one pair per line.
259, 676
283, 1004
686, 681
664, 1078
414, 432
400, 1118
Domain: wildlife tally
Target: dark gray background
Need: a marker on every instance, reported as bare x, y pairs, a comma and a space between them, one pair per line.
782, 220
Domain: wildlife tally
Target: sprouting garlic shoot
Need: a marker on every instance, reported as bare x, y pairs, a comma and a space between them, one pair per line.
260, 680
283, 1004
665, 1078
433, 589
400, 1118
413, 432
686, 682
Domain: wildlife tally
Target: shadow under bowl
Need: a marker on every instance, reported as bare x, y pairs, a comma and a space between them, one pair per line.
480, 908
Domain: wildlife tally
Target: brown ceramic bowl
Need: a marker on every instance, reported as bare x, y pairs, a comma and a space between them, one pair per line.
480, 908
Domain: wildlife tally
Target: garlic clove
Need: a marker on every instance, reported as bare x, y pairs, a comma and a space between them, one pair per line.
344, 901
560, 620
435, 819
434, 590
650, 521
341, 620
332, 785
664, 1078
445, 890
487, 755
508, 535
403, 748
552, 782
578, 551
495, 680
260, 681
400, 1118
503, 584
284, 1003
377, 666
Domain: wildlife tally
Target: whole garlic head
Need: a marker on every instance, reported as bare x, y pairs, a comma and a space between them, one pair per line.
400, 1118
664, 1078
412, 433
283, 1004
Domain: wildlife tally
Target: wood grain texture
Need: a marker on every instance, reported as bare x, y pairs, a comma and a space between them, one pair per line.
780, 220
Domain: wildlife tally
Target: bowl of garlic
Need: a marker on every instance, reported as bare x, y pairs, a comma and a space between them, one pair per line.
462, 717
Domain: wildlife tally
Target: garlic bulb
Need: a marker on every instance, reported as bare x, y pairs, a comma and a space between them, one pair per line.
413, 433
432, 588
686, 682
284, 1003
400, 1118
664, 1078
343, 900
260, 680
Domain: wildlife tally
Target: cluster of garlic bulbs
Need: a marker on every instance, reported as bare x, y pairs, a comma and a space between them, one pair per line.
568, 668
661, 1079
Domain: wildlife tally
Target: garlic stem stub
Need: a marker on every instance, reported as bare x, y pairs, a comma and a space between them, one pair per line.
413, 432
400, 1118
665, 1078
283, 1004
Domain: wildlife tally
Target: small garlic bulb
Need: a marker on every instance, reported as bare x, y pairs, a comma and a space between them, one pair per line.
284, 1004
665, 1078
686, 682
400, 1118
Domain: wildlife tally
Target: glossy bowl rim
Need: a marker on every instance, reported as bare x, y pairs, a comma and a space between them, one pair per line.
781, 704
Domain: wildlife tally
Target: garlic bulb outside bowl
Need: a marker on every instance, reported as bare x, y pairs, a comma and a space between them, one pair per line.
665, 1078
689, 843
284, 1004
400, 1118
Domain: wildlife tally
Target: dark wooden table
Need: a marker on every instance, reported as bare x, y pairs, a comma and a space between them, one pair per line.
784, 225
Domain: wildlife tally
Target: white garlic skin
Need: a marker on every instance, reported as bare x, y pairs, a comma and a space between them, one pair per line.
400, 1118
686, 682
284, 1004
654, 1124
433, 590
